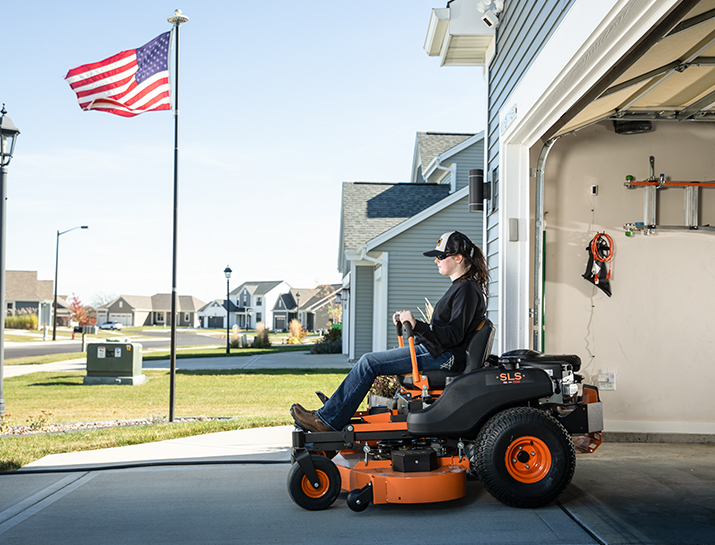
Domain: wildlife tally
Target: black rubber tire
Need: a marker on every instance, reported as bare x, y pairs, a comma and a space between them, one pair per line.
303, 494
506, 431
352, 501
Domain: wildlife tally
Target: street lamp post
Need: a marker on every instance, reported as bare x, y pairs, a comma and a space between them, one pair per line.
297, 312
57, 261
227, 271
8, 137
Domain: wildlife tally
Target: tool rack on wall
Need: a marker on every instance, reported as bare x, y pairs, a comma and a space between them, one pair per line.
651, 186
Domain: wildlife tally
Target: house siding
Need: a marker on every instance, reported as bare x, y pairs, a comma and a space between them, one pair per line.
414, 277
525, 28
363, 285
472, 157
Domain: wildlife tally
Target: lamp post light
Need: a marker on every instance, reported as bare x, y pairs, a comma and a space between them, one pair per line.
227, 271
249, 313
8, 137
297, 312
57, 262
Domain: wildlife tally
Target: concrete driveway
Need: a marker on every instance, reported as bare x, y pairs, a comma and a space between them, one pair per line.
230, 487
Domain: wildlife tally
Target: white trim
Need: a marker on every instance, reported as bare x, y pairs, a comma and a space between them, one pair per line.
417, 218
351, 340
379, 304
592, 37
639, 426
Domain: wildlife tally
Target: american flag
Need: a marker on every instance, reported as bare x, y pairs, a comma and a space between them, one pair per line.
129, 83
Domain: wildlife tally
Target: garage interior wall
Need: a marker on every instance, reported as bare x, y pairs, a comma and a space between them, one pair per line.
656, 331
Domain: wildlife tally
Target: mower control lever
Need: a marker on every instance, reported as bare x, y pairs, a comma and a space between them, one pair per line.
418, 380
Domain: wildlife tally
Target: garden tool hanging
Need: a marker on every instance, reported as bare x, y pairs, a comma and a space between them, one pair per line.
600, 254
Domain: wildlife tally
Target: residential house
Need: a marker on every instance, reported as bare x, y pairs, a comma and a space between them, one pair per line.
580, 95
323, 307
284, 311
25, 293
140, 310
385, 228
213, 315
257, 299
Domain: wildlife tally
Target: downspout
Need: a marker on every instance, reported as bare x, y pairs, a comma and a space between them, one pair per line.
539, 244
453, 170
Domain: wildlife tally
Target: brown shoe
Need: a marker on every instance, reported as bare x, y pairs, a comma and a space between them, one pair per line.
307, 420
303, 409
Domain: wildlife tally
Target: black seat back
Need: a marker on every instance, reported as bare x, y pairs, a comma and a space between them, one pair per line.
480, 346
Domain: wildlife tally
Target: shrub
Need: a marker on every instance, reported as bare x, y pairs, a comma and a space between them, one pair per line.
24, 319
261, 339
296, 332
384, 386
331, 343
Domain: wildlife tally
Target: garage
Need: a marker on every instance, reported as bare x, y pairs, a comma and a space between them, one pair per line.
216, 322
618, 139
124, 319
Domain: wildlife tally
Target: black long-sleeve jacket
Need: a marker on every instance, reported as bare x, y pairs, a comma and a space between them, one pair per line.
456, 316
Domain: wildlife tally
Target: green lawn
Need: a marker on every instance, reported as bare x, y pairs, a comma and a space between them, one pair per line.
254, 397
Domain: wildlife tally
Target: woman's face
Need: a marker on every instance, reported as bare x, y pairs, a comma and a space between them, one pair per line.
450, 266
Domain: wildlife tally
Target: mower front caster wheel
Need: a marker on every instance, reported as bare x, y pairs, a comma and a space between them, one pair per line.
360, 498
306, 495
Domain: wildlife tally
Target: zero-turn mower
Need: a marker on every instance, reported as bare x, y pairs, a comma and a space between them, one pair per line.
513, 421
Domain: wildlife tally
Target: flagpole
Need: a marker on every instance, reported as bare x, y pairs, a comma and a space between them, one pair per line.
177, 19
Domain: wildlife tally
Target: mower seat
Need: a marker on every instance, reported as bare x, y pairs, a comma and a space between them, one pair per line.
534, 358
478, 350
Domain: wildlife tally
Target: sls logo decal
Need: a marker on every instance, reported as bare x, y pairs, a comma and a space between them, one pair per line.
510, 378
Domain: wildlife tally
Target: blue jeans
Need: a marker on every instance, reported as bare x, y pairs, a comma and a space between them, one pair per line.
341, 406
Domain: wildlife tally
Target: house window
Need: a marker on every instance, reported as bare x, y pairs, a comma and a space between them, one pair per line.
258, 301
159, 316
121, 304
186, 317
259, 317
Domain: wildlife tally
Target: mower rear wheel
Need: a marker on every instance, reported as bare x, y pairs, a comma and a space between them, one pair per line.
525, 457
305, 494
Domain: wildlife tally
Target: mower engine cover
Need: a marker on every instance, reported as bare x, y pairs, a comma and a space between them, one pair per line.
469, 400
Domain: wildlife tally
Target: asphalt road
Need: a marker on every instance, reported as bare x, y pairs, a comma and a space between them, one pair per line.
148, 339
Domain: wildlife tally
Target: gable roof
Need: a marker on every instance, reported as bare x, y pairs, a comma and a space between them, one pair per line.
432, 144
24, 286
371, 208
429, 145
159, 302
257, 288
221, 303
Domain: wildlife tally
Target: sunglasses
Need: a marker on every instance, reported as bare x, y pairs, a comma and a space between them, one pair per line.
441, 257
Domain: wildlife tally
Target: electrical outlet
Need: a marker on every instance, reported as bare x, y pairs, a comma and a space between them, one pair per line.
607, 381
594, 190
603, 386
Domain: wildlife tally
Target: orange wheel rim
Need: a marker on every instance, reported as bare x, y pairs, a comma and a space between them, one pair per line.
319, 492
528, 459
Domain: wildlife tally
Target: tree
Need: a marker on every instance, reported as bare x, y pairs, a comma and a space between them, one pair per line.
78, 311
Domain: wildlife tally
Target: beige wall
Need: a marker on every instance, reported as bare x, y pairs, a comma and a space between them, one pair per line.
657, 331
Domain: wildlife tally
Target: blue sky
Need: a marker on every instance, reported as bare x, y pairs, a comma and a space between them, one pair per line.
280, 102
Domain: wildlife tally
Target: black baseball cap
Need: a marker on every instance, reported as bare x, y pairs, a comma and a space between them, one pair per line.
451, 243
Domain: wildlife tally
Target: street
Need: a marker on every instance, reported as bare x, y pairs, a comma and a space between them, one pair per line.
163, 339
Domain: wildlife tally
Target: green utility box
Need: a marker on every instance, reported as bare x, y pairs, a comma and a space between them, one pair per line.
114, 363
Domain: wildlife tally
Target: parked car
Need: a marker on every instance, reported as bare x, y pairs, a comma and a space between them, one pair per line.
111, 325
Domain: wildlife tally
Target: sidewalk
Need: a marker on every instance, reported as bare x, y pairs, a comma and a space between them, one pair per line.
277, 360
265, 444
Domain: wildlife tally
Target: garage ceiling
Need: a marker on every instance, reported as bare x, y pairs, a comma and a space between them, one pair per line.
673, 79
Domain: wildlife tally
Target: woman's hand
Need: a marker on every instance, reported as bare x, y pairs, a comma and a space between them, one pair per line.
404, 316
